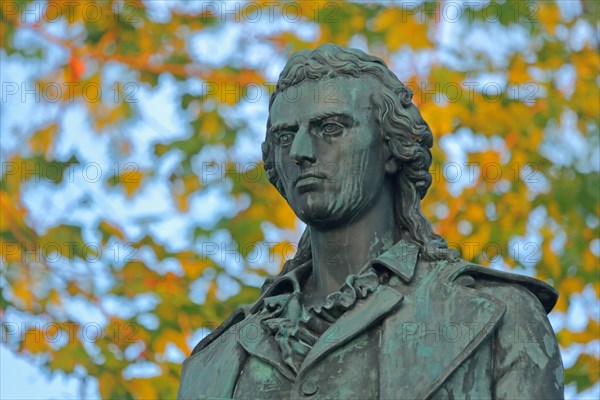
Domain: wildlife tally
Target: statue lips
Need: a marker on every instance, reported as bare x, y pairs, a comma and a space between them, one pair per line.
304, 182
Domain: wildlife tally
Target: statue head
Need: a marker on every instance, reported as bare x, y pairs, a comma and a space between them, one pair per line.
390, 147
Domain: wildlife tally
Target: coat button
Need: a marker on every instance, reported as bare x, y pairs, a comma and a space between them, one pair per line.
309, 388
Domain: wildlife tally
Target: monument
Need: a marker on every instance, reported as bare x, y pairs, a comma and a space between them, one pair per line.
374, 305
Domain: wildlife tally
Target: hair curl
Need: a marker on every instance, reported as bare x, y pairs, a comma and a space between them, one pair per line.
406, 133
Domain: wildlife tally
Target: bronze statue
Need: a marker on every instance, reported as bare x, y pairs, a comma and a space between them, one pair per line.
374, 305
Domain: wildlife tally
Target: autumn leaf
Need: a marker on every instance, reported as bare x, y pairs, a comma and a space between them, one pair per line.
76, 67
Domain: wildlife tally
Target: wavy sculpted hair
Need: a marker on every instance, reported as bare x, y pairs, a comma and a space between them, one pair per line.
406, 133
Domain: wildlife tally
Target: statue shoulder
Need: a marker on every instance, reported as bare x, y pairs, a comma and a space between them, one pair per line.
504, 285
237, 316
526, 362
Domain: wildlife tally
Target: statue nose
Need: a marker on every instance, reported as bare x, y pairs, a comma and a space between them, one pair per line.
302, 147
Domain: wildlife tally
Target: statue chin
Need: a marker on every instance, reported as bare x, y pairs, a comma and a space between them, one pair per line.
318, 218
321, 215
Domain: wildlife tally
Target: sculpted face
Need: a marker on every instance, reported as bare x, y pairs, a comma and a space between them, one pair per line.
329, 151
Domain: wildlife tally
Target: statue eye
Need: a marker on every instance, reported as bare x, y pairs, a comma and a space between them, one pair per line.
332, 128
285, 138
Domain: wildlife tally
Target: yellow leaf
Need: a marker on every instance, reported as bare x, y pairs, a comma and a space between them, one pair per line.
284, 216
591, 262
193, 268
22, 291
73, 289
169, 336
387, 18
210, 124
401, 28
42, 141
10, 251
357, 22
211, 293
54, 297
181, 201
106, 383
549, 15
561, 304
552, 263
142, 389
572, 284
284, 250
110, 229
590, 333
475, 213
131, 181
517, 72
35, 341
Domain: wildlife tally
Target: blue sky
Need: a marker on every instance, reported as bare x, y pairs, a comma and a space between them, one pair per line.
21, 379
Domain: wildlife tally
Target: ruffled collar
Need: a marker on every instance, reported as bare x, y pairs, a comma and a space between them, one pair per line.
296, 328
399, 260
355, 287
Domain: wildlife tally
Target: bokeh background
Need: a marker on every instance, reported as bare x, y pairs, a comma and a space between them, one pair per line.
135, 211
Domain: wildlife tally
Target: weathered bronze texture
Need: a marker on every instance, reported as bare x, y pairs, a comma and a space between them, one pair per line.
374, 304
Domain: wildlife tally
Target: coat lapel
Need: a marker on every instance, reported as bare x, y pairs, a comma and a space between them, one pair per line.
440, 325
352, 323
251, 335
261, 345
348, 326
400, 259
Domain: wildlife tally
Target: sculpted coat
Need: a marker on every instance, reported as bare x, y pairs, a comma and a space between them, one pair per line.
444, 331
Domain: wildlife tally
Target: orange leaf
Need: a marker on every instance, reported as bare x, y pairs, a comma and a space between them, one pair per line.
76, 67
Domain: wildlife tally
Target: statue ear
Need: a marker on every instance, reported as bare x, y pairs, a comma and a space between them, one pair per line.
391, 163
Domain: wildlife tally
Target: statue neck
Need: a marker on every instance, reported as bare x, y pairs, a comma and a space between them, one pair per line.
344, 250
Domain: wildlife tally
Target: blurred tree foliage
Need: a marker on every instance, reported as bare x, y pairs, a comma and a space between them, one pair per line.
530, 201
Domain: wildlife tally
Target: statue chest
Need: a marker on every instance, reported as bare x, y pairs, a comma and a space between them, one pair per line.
351, 371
